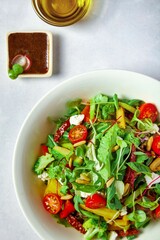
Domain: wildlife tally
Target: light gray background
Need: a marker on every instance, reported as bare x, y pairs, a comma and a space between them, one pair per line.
117, 34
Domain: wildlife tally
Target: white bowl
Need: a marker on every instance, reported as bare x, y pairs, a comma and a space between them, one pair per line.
35, 129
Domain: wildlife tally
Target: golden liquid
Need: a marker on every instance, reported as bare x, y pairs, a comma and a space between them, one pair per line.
61, 12
60, 8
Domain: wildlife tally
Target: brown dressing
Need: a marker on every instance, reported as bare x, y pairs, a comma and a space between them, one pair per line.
35, 46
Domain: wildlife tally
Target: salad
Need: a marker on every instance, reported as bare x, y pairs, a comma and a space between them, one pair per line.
101, 167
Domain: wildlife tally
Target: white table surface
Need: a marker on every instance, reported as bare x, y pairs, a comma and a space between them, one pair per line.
117, 34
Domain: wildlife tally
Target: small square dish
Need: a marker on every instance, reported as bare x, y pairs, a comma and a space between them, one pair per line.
33, 51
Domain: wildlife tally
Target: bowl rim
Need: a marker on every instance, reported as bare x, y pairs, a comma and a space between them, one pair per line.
60, 21
66, 81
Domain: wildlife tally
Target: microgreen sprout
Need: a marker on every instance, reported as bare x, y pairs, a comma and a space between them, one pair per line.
15, 71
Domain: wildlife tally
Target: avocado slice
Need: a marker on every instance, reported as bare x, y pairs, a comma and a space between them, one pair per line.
61, 152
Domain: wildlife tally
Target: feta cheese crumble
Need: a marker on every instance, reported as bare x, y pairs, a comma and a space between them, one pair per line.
112, 235
119, 185
123, 211
44, 176
76, 119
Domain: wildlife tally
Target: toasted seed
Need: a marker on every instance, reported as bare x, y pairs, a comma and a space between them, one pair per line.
149, 143
155, 165
79, 143
81, 181
66, 197
153, 154
127, 188
115, 148
84, 177
70, 162
109, 182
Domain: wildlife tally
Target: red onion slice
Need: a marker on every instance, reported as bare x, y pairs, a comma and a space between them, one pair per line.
22, 60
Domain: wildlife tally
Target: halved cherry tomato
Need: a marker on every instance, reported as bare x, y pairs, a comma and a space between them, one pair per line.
78, 133
95, 201
52, 203
148, 110
44, 149
157, 212
68, 208
61, 130
86, 112
156, 144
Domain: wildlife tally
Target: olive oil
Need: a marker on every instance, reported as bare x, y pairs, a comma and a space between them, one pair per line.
61, 12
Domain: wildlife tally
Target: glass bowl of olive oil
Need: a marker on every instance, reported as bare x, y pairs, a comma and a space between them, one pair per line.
61, 12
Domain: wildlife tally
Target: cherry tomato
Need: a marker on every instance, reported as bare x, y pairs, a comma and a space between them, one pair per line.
157, 212
68, 208
148, 110
61, 130
78, 133
52, 203
44, 149
95, 201
156, 144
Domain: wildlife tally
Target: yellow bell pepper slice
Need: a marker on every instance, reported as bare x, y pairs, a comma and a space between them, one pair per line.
120, 116
53, 186
103, 212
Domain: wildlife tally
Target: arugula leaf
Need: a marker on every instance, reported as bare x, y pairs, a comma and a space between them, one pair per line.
42, 162
86, 188
94, 185
137, 216
101, 127
62, 221
130, 137
131, 237
139, 168
112, 199
142, 224
89, 214
118, 165
146, 203
80, 151
101, 98
107, 143
157, 188
129, 202
115, 98
54, 172
60, 172
144, 125
141, 157
64, 189
133, 102
50, 141
122, 144
74, 103
77, 200
108, 111
74, 107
